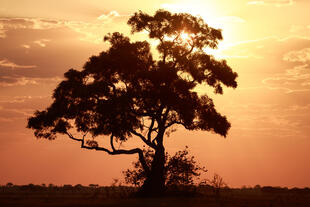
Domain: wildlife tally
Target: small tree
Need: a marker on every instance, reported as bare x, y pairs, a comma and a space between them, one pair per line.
180, 169
124, 92
217, 183
9, 184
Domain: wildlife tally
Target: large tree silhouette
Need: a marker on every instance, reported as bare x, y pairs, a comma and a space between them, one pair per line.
126, 93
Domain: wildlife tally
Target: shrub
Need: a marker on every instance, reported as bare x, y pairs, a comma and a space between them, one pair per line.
180, 169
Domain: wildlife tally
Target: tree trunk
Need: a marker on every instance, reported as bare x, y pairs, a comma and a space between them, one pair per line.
154, 184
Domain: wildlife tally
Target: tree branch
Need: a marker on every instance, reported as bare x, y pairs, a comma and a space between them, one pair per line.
149, 134
114, 151
146, 141
111, 142
174, 122
71, 137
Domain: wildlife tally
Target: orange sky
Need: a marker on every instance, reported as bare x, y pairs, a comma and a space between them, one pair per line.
266, 41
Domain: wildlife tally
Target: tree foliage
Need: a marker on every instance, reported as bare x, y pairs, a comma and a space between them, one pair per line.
180, 169
125, 92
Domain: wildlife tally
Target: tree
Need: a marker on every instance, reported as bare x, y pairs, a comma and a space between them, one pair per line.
180, 169
124, 92
217, 183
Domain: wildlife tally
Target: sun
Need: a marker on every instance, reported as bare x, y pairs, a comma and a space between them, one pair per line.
181, 37
184, 36
208, 13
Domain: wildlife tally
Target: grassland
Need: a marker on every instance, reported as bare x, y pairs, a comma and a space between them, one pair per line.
95, 196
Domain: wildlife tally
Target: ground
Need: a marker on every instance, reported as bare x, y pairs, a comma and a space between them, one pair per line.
79, 196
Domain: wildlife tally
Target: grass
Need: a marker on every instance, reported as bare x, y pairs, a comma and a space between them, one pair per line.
80, 196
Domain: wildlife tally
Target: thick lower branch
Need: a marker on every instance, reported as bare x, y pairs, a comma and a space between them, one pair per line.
114, 151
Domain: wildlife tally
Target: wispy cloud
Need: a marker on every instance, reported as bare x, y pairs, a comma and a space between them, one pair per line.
91, 31
265, 118
277, 3
8, 81
302, 56
108, 16
8, 64
42, 42
2, 31
25, 46
296, 79
7, 24
29, 23
280, 48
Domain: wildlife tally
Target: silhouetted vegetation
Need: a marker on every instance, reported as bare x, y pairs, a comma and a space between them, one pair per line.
124, 92
78, 195
217, 183
181, 169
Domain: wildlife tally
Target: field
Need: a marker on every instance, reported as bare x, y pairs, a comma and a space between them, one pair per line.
95, 196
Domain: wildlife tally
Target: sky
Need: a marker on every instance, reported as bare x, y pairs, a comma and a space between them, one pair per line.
267, 42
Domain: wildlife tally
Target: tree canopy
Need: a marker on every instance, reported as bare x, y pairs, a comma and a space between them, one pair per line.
126, 92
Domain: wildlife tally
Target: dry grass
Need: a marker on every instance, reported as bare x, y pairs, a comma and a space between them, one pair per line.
36, 196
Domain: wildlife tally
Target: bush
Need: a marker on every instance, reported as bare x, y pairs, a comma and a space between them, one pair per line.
180, 169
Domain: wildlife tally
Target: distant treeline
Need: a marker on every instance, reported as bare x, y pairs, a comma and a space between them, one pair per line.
94, 195
95, 187
92, 188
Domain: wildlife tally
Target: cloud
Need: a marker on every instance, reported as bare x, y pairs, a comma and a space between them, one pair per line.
14, 111
249, 49
45, 48
15, 99
92, 31
27, 104
95, 31
302, 56
25, 46
7, 24
300, 29
277, 3
9, 81
108, 16
276, 70
284, 63
27, 23
30, 23
8, 64
41, 42
2, 31
294, 80
11, 114
271, 47
263, 118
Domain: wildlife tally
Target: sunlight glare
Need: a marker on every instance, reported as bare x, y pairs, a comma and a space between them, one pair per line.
184, 36
208, 14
